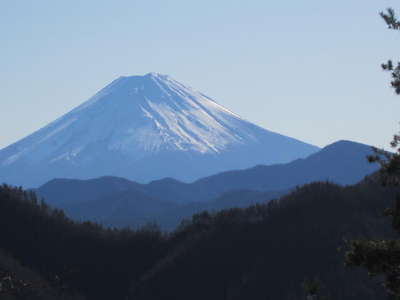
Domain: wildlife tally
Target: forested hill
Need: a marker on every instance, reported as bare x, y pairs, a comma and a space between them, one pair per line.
262, 252
267, 251
88, 260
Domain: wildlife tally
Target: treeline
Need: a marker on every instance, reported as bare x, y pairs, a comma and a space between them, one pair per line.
265, 251
88, 259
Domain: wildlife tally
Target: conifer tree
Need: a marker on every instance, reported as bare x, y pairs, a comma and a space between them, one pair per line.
382, 257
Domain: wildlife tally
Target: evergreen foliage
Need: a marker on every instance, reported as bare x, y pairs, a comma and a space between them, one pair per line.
261, 252
382, 256
95, 262
266, 251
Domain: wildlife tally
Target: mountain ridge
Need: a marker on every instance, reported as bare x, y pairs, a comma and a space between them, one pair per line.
338, 156
145, 128
343, 163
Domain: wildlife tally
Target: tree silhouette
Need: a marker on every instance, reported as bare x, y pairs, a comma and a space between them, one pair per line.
382, 257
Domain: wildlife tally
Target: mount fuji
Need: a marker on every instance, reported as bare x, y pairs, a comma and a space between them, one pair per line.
145, 128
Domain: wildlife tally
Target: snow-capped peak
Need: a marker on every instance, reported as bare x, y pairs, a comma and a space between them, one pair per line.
137, 117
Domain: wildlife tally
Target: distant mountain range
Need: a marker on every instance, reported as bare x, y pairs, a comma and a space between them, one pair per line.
120, 202
145, 128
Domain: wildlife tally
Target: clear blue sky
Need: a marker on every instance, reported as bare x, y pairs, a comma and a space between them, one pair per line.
307, 68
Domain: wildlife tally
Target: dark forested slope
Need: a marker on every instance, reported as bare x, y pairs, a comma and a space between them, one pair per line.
19, 282
265, 251
95, 262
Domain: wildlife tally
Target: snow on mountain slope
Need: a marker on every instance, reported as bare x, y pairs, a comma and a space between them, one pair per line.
145, 128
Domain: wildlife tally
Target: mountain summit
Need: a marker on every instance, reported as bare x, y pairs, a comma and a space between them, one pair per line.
145, 128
